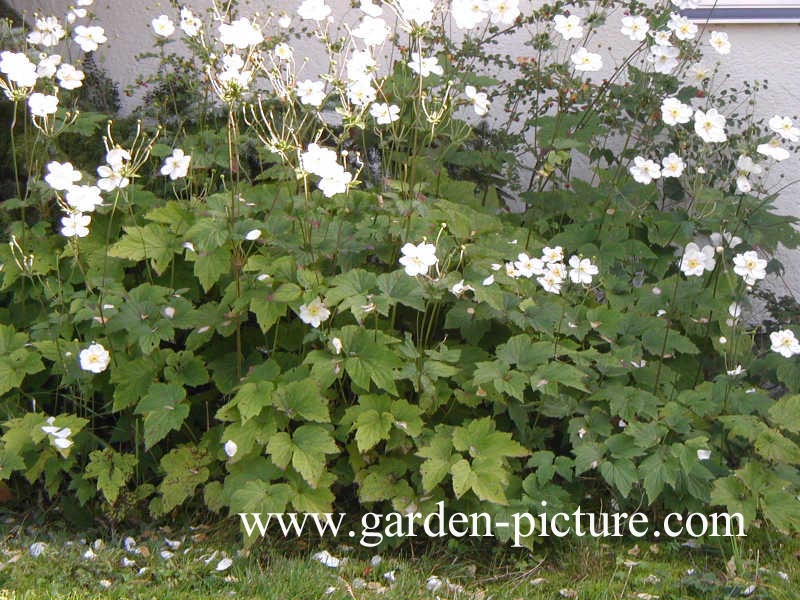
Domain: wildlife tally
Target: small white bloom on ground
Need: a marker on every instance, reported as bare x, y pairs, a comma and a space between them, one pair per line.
314, 313
166, 554
36, 549
224, 564
433, 584
327, 559
252, 235
95, 358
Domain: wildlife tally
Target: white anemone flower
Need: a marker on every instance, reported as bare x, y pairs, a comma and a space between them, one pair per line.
418, 259
314, 313
95, 358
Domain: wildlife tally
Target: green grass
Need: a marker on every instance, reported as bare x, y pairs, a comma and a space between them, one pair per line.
283, 570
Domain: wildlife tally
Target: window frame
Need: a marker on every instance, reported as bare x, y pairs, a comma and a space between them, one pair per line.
745, 11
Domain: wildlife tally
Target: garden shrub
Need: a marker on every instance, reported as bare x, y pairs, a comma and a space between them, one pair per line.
299, 291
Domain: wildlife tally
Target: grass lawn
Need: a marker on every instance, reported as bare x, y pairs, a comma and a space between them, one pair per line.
184, 563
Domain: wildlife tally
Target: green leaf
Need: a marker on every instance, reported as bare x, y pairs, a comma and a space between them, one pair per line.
152, 242
164, 411
306, 449
112, 471
372, 427
184, 469
621, 474
208, 268
257, 496
267, 311
785, 413
399, 287
302, 400
731, 493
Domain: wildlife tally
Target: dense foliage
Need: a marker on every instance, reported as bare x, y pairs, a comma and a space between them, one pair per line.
304, 293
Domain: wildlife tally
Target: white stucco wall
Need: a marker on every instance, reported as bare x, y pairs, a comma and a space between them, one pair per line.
760, 51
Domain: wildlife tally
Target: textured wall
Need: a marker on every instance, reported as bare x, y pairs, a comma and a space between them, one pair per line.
760, 51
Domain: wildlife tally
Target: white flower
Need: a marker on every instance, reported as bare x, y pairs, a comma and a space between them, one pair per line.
513, 272
111, 179
672, 166
673, 111
374, 31
773, 149
90, 37
480, 100
163, 26
283, 52
784, 343
582, 270
224, 564
415, 12
552, 255
74, 14
749, 267
190, 24
84, 198
61, 176
314, 10
42, 105
698, 73
583, 60
95, 358
19, 68
337, 345
504, 12
696, 261
526, 266
468, 14
726, 238
69, 77
684, 4
457, 289
327, 559
635, 28
384, 114
744, 168
36, 549
359, 65
703, 454
48, 65
240, 34
664, 58
117, 157
75, 225
735, 372
47, 32
662, 37
710, 126
684, 29
735, 310
311, 93
314, 313
169, 312
335, 182
176, 166
373, 10
719, 41
285, 21
550, 281
644, 170
783, 126
425, 66
231, 448
319, 161
433, 584
252, 235
418, 259
488, 281
569, 27
361, 93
